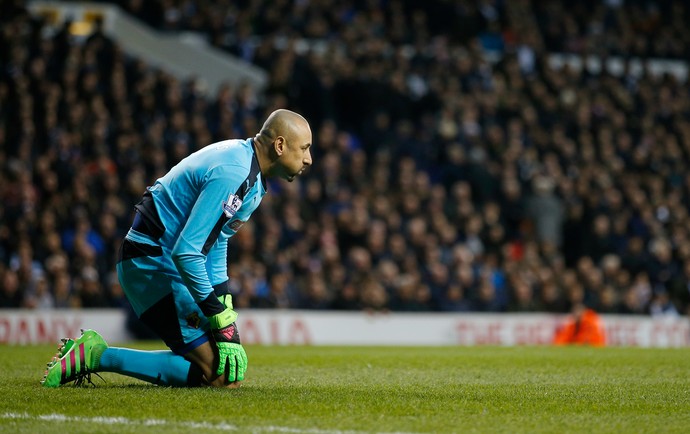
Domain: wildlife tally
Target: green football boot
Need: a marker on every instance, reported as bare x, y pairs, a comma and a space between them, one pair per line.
75, 360
65, 345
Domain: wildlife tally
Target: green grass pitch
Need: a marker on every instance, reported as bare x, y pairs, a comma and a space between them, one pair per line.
365, 389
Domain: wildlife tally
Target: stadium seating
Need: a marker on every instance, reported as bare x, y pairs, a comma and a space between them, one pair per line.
454, 168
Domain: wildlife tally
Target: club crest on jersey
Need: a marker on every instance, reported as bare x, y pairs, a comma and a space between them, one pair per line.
193, 320
232, 205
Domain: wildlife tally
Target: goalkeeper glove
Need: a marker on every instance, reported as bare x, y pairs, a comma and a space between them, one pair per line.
233, 359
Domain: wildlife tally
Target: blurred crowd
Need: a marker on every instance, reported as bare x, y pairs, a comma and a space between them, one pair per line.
442, 180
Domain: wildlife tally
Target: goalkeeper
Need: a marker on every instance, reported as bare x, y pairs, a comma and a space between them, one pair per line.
173, 262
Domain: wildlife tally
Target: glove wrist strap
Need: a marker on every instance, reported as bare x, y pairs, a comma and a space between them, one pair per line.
211, 306
223, 319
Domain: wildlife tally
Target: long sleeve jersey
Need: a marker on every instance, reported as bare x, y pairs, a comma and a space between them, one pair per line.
201, 202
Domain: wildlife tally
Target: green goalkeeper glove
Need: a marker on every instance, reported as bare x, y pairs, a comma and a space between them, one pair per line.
233, 359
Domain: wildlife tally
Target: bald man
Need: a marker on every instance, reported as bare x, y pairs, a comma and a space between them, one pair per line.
173, 262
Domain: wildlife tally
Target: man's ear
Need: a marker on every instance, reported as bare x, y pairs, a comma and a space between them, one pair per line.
279, 145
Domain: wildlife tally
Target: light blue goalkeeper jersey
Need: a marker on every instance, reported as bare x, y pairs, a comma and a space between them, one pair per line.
203, 201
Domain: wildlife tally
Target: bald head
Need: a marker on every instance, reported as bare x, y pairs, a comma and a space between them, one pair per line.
284, 123
283, 144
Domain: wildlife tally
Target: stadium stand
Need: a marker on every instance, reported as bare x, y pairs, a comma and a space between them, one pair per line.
455, 169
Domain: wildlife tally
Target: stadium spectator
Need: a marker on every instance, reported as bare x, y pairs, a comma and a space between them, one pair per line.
11, 295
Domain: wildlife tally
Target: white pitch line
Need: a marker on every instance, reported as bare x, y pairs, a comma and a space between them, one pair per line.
162, 422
